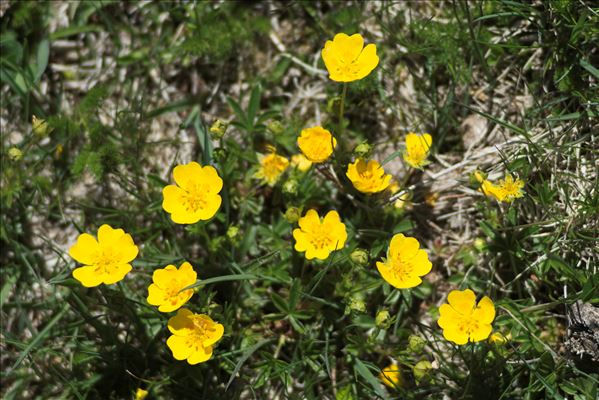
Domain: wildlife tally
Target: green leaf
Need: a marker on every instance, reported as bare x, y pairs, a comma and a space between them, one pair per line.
244, 357
43, 53
41, 336
217, 279
592, 70
254, 104
363, 371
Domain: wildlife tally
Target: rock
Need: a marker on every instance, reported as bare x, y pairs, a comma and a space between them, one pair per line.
582, 345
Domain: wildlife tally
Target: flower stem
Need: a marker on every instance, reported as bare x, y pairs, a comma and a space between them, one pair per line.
341, 128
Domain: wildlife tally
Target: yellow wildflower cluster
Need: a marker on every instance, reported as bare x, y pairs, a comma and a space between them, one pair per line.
195, 196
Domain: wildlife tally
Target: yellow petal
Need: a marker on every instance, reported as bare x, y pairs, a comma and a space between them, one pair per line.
117, 274
210, 177
215, 335
212, 206
107, 236
321, 254
448, 317
126, 248
172, 199
181, 324
482, 333
156, 296
85, 250
421, 264
367, 61
453, 334
403, 247
201, 354
462, 301
310, 221
88, 276
485, 311
179, 347
188, 275
301, 240
348, 47
186, 175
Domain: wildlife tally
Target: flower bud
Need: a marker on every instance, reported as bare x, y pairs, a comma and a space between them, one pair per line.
421, 369
382, 319
416, 344
290, 186
40, 127
293, 214
363, 150
15, 154
219, 154
218, 129
275, 127
480, 244
360, 257
233, 233
357, 304
498, 338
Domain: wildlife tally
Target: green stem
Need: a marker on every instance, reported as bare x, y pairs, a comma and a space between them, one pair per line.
340, 127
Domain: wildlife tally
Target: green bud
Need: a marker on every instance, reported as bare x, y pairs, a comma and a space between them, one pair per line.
363, 150
382, 319
218, 129
357, 304
360, 257
275, 127
15, 154
421, 369
219, 154
293, 214
480, 244
416, 344
40, 127
233, 233
290, 186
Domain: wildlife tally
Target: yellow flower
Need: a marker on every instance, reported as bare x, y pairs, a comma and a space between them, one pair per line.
405, 263
368, 177
195, 197
165, 292
316, 143
300, 162
347, 59
417, 148
319, 238
141, 394
510, 189
463, 320
193, 336
506, 190
272, 166
391, 376
105, 260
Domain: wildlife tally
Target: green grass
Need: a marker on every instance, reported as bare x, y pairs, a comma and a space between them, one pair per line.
130, 90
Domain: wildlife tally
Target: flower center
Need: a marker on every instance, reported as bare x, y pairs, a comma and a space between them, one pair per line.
467, 325
401, 269
321, 239
106, 261
195, 198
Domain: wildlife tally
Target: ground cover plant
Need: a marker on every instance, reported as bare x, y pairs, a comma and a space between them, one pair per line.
299, 200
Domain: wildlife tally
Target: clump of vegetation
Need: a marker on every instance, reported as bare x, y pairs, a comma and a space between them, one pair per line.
299, 200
